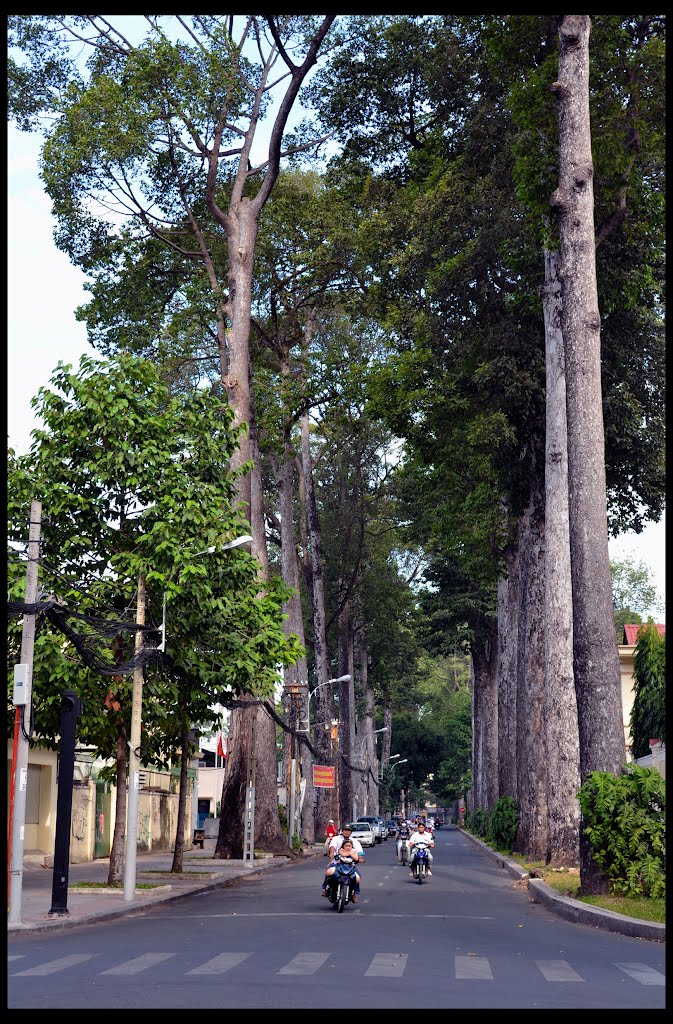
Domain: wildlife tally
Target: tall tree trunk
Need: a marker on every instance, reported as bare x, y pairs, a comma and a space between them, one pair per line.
508, 635
368, 801
324, 703
346, 714
531, 754
485, 723
179, 848
268, 833
116, 865
596, 659
295, 676
560, 703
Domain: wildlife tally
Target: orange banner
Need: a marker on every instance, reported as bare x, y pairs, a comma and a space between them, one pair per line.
323, 776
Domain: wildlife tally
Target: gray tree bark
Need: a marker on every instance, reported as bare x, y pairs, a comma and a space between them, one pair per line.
531, 753
560, 703
596, 659
485, 723
508, 634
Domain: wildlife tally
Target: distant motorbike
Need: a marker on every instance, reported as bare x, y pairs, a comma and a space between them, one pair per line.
420, 863
342, 885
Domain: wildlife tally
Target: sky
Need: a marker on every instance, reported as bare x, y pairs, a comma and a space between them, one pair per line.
44, 290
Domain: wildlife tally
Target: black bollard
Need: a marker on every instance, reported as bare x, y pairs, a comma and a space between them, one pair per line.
71, 709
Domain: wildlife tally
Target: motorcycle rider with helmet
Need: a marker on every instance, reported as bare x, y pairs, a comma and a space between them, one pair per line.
420, 837
334, 847
347, 854
403, 833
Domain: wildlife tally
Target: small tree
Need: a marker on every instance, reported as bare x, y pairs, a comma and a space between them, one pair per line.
633, 593
648, 714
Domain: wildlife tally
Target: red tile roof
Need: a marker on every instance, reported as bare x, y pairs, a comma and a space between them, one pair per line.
631, 632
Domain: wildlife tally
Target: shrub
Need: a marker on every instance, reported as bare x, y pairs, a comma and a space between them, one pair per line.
503, 824
476, 822
624, 820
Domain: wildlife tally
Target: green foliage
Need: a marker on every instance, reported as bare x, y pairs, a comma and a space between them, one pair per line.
648, 714
624, 819
134, 479
633, 593
477, 822
503, 824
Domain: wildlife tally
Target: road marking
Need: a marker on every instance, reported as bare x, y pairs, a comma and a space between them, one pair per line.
319, 913
16, 956
220, 964
558, 970
473, 968
387, 965
643, 974
139, 963
304, 963
56, 965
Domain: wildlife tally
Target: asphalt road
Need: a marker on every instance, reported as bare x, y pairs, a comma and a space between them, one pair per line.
469, 937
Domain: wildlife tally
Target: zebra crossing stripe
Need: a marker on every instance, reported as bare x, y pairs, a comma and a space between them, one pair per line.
387, 965
473, 968
220, 964
642, 973
52, 966
304, 963
558, 970
139, 963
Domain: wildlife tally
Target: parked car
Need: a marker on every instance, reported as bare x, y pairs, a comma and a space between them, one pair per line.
392, 828
376, 825
363, 832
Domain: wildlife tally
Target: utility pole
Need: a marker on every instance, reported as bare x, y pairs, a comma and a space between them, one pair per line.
249, 831
71, 709
134, 755
294, 689
23, 686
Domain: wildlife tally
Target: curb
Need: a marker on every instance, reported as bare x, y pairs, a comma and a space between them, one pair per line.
572, 909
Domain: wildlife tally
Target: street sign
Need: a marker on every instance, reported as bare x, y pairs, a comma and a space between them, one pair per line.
323, 776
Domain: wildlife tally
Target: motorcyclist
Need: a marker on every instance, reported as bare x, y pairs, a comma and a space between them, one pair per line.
347, 854
403, 833
335, 845
420, 838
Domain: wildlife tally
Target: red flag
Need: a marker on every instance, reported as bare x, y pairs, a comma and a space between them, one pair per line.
220, 751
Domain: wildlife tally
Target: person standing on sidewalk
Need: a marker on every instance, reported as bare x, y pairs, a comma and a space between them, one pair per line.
330, 833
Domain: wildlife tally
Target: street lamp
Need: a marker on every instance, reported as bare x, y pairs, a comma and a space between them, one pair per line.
339, 679
244, 539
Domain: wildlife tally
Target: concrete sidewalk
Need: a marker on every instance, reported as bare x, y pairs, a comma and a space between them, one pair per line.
201, 872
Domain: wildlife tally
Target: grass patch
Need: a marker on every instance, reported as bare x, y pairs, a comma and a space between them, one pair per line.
107, 885
176, 874
567, 882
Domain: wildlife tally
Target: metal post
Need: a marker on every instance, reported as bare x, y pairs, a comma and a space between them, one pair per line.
23, 719
134, 756
293, 772
249, 829
71, 709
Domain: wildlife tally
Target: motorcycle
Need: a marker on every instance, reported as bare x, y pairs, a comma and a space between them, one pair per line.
342, 885
404, 852
420, 864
